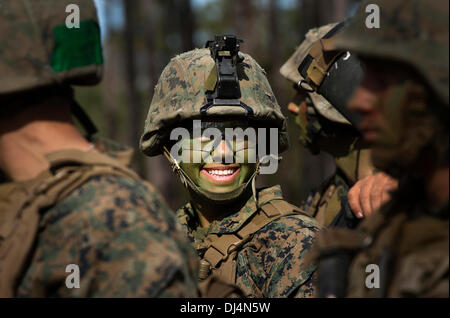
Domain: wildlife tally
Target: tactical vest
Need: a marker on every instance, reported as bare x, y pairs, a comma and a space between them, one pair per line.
329, 204
21, 206
324, 206
219, 260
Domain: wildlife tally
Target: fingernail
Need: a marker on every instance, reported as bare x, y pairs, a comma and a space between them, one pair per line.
359, 215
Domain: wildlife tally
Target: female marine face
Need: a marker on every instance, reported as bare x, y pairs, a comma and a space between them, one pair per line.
221, 159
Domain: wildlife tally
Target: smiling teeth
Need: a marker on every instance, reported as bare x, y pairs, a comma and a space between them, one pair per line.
227, 172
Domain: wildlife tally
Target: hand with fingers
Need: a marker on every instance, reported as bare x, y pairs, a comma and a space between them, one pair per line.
370, 193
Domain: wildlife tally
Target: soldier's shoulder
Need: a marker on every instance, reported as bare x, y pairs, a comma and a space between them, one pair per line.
279, 261
300, 223
116, 200
291, 225
114, 225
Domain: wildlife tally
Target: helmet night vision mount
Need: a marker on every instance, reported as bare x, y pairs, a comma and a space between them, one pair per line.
222, 86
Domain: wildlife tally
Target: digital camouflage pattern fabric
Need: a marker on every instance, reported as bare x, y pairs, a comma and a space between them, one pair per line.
271, 263
180, 93
121, 234
328, 203
38, 50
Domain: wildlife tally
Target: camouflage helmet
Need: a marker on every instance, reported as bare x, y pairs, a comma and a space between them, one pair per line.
181, 92
289, 70
415, 32
39, 50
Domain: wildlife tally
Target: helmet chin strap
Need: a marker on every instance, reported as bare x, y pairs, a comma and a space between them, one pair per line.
220, 198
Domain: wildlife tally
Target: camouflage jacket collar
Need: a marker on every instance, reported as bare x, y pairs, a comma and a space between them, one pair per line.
230, 224
112, 149
103, 146
13, 194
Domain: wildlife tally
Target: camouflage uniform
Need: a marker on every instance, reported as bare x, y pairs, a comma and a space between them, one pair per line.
328, 203
266, 262
325, 202
408, 239
88, 208
119, 231
260, 273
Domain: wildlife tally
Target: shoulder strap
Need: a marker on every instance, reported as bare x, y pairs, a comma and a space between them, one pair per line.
73, 157
68, 171
220, 255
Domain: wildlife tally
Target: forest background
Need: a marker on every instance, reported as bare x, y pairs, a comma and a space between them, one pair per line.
140, 37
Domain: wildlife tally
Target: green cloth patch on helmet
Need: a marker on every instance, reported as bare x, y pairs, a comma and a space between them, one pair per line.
76, 47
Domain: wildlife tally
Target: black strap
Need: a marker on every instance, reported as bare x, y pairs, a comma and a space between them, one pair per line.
345, 218
84, 119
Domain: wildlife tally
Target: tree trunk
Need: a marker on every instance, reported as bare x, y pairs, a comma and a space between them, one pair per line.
244, 24
186, 24
109, 101
134, 124
158, 170
315, 13
275, 51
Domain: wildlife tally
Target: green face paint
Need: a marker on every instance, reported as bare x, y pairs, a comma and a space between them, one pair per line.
224, 165
405, 127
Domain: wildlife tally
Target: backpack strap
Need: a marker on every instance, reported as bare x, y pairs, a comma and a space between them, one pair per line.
220, 256
21, 214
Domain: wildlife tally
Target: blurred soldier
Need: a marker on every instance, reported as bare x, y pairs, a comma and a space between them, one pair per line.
404, 101
248, 237
326, 125
75, 221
